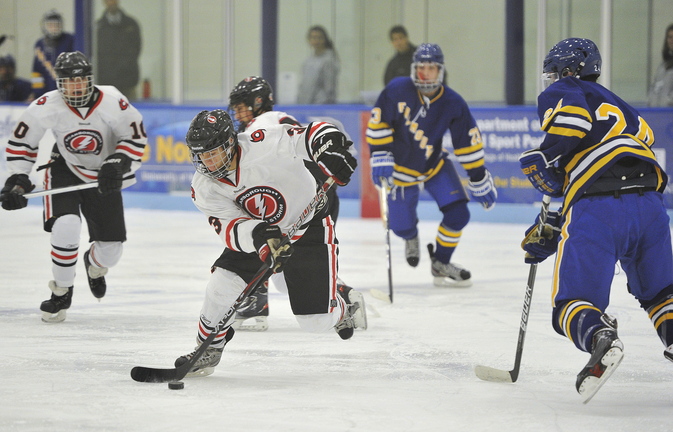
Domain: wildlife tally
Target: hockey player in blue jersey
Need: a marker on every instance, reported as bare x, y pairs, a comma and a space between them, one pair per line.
597, 156
405, 133
47, 49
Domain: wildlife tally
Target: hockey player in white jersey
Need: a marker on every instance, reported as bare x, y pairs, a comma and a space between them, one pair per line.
251, 102
99, 137
253, 187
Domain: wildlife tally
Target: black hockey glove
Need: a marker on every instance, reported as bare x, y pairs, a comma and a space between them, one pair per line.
111, 173
540, 246
330, 152
12, 194
266, 239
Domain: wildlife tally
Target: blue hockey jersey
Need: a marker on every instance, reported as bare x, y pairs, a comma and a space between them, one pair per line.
589, 129
412, 127
43, 77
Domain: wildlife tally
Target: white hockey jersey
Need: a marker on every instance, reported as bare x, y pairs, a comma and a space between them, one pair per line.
271, 183
271, 118
84, 136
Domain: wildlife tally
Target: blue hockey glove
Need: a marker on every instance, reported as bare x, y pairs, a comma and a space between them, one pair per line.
484, 191
382, 166
11, 195
266, 239
539, 246
544, 176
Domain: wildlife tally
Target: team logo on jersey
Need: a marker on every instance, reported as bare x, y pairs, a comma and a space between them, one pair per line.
257, 135
85, 141
123, 104
296, 130
263, 202
42, 100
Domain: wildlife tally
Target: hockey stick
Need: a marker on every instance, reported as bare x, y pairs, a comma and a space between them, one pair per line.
491, 374
156, 375
384, 190
58, 190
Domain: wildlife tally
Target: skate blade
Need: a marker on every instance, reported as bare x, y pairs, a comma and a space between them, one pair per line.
592, 384
201, 372
255, 324
360, 315
57, 317
445, 282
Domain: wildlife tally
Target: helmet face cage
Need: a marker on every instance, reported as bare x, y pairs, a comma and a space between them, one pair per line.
74, 78
52, 24
76, 91
212, 142
215, 163
577, 57
255, 92
428, 53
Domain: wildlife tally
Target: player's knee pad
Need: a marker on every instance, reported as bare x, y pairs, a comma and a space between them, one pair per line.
661, 297
456, 215
222, 290
407, 233
65, 231
106, 254
317, 323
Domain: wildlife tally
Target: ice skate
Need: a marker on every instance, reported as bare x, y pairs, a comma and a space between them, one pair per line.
54, 309
355, 315
96, 277
606, 353
449, 274
412, 251
668, 353
205, 365
251, 315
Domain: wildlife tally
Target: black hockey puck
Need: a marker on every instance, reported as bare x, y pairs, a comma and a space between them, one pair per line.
176, 385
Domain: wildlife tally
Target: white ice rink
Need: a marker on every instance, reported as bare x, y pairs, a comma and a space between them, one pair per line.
412, 370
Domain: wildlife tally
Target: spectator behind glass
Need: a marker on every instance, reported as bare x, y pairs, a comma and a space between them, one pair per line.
117, 51
54, 42
13, 89
320, 70
661, 90
400, 64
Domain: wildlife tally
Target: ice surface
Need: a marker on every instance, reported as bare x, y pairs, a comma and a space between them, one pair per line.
411, 371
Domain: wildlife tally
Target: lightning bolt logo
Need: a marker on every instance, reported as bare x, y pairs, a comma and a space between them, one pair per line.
263, 202
84, 143
260, 205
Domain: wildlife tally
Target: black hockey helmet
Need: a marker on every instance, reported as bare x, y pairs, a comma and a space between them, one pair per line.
255, 92
212, 141
74, 67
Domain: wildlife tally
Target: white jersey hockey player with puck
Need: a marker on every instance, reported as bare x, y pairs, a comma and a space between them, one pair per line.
251, 102
253, 187
99, 137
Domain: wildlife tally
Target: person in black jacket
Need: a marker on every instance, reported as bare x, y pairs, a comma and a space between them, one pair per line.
400, 64
118, 48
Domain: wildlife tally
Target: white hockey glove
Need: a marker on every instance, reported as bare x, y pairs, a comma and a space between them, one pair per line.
484, 191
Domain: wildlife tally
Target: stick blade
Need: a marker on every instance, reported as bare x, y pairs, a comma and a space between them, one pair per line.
380, 295
494, 375
154, 375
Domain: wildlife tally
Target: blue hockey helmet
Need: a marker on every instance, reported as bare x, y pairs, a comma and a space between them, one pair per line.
571, 57
428, 53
